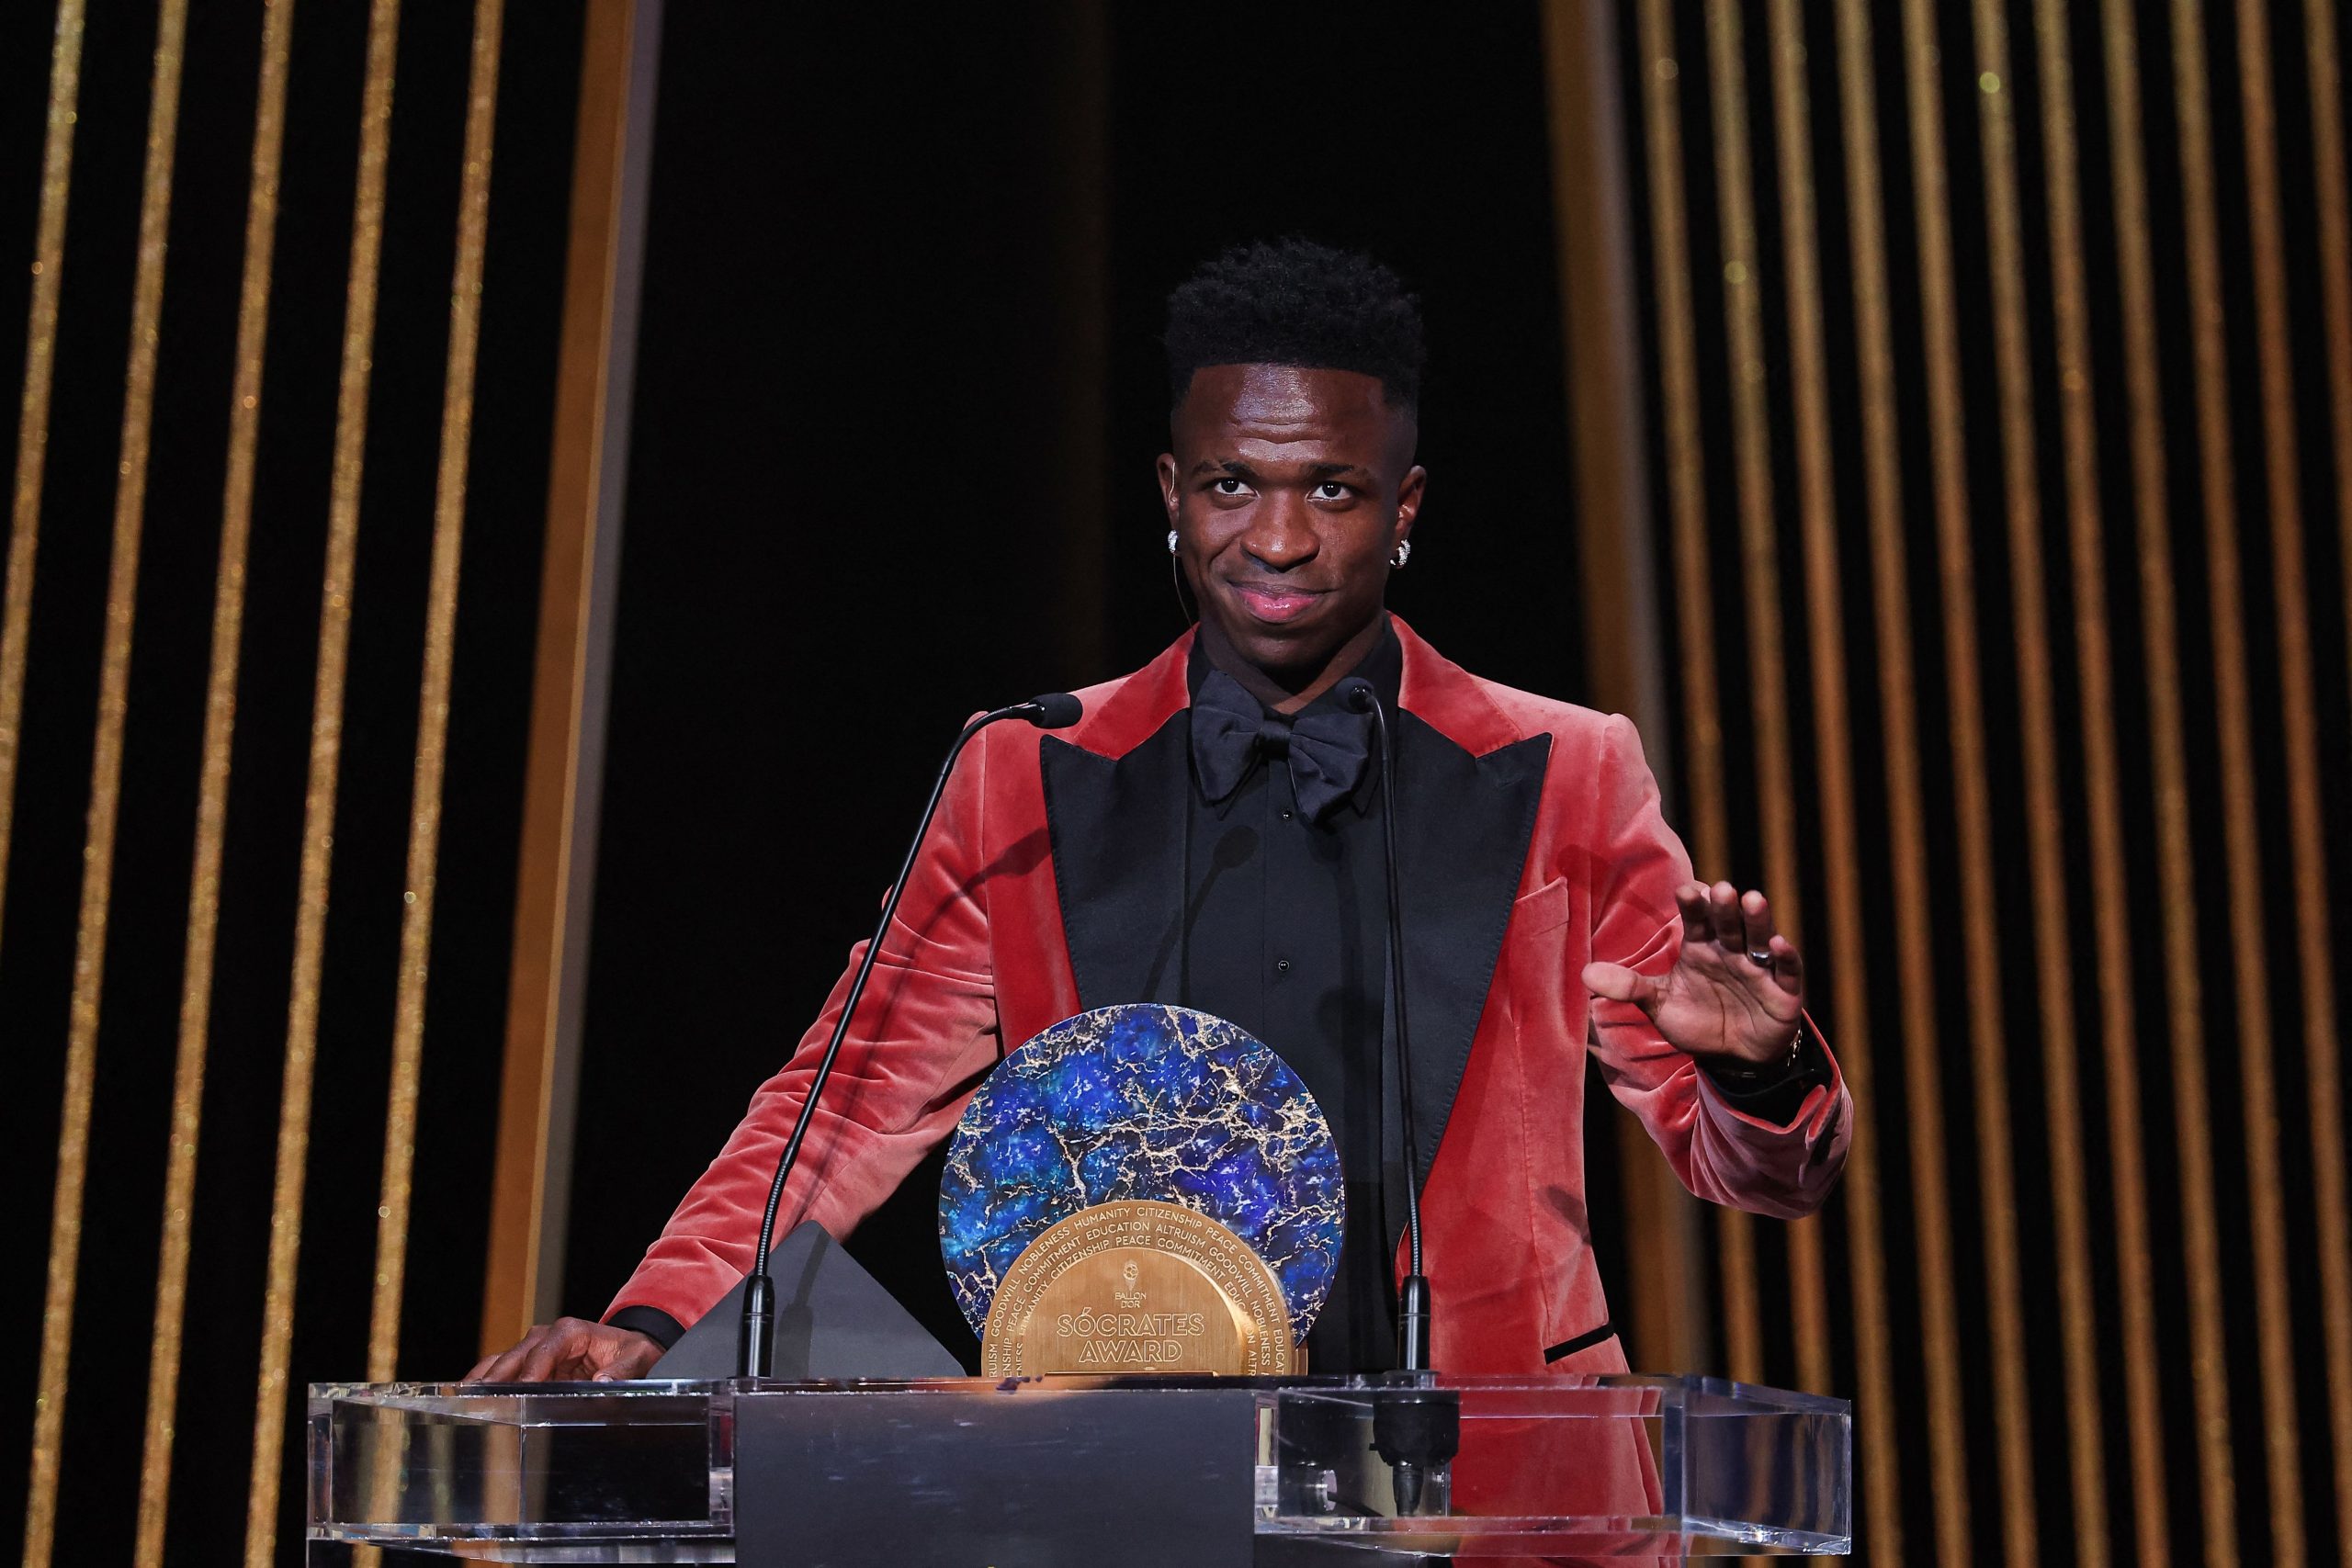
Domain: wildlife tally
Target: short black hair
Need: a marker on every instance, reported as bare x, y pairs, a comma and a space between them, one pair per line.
1292, 301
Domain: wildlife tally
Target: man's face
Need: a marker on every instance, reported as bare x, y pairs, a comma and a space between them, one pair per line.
1289, 490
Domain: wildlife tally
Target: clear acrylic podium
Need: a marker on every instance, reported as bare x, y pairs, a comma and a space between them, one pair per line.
1140, 1471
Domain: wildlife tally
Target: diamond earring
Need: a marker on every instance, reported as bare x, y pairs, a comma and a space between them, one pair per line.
1172, 541
1404, 553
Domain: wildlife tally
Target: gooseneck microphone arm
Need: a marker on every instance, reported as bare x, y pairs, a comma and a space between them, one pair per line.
756, 1347
1413, 1299
1417, 1429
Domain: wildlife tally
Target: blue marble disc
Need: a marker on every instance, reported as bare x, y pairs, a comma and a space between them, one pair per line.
1143, 1101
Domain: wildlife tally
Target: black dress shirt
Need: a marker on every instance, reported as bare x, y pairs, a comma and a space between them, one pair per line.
1285, 932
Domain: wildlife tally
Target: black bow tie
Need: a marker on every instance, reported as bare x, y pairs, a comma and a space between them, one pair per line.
1327, 748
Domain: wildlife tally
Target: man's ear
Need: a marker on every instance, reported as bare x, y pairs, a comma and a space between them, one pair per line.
1408, 501
1167, 497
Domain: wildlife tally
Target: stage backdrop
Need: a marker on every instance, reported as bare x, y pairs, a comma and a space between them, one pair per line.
283, 309
1998, 362
1929, 422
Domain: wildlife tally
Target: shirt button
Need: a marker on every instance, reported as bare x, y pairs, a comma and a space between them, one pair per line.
1286, 816
1282, 965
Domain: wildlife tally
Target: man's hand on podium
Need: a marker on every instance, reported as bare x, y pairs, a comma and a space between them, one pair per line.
571, 1349
1735, 991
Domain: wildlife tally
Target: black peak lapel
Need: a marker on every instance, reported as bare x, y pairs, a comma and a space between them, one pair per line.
1117, 826
1463, 824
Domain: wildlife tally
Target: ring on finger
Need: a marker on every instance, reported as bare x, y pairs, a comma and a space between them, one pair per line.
1760, 957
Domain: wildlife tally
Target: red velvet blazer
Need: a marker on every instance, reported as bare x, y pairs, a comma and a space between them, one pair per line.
1529, 844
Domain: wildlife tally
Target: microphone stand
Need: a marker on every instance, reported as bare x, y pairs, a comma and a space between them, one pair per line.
755, 1349
1419, 1430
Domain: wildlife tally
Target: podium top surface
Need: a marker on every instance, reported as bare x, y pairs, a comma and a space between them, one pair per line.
1601, 1392
1574, 1464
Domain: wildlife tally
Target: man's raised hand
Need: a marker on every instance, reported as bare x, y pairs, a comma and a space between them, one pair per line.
1736, 989
571, 1349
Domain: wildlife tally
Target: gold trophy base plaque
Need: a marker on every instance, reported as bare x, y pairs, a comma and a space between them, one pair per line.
1138, 1286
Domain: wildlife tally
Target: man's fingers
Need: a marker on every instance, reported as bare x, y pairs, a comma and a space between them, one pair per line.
1755, 923
1787, 969
1730, 926
1698, 923
548, 1350
501, 1367
566, 1350
1617, 983
538, 1365
633, 1355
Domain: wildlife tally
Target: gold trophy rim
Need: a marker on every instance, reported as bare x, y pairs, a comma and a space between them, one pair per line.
1012, 1340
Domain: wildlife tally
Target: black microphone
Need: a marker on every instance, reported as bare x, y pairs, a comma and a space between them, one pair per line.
1415, 1432
756, 1347
1054, 710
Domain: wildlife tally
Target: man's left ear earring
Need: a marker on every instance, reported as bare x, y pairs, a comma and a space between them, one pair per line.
1172, 541
1404, 553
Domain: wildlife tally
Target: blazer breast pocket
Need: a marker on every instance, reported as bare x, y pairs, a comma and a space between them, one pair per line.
1547, 908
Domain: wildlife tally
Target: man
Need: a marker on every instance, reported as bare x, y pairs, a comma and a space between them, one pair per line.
1209, 835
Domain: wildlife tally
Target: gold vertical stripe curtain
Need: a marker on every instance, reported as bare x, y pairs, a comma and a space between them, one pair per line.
212, 797
48, 1537
2000, 374
66, 1209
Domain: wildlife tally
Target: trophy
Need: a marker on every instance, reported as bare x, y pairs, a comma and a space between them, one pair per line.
1141, 1189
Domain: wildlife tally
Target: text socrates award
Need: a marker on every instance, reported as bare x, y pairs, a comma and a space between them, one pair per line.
1141, 1189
